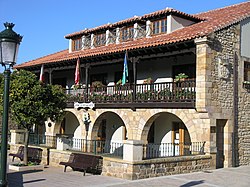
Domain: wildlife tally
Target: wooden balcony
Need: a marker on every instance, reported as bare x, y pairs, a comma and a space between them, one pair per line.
155, 95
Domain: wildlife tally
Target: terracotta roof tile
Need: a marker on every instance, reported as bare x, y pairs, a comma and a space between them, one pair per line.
132, 20
213, 21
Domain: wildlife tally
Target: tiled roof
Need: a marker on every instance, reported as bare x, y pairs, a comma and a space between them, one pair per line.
133, 20
213, 21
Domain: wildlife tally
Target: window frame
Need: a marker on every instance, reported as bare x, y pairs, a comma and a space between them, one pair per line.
159, 26
77, 44
247, 71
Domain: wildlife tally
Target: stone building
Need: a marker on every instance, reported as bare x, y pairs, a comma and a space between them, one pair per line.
184, 105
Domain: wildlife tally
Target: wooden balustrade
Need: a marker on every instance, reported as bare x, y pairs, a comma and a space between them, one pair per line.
182, 91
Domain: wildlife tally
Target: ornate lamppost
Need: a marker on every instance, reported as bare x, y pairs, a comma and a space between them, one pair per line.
9, 44
86, 122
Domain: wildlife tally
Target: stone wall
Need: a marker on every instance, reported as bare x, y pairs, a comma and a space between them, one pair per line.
244, 125
57, 156
50, 157
45, 153
226, 44
154, 167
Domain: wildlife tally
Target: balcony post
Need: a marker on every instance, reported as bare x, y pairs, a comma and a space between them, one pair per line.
135, 61
50, 75
87, 66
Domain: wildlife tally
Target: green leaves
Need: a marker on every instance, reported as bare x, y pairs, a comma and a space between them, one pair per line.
32, 102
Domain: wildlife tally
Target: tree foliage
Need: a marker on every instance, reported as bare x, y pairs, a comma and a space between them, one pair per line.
32, 102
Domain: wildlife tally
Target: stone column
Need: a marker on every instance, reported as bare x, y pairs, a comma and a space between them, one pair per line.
84, 41
17, 136
117, 39
148, 29
133, 150
107, 37
136, 29
92, 39
70, 45
203, 74
203, 102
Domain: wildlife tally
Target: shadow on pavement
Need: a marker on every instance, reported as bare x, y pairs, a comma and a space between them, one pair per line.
15, 179
193, 183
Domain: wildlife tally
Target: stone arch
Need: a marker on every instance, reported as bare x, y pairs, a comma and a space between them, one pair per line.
187, 116
106, 116
73, 123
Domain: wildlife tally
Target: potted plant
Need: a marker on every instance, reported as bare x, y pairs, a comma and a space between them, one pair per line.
148, 81
119, 82
77, 86
246, 84
97, 84
20, 166
180, 77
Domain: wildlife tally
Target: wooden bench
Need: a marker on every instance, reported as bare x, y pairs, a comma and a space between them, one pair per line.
82, 162
34, 154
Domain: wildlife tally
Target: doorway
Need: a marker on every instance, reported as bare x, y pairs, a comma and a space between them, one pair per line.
220, 138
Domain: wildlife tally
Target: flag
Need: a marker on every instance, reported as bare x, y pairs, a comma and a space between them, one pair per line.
125, 70
41, 78
77, 72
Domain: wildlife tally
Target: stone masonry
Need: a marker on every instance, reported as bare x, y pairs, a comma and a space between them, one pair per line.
154, 167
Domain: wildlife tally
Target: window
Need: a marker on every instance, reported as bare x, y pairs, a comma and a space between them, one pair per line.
159, 26
127, 34
77, 44
100, 39
247, 71
246, 82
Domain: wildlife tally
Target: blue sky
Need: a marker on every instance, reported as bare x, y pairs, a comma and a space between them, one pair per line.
44, 23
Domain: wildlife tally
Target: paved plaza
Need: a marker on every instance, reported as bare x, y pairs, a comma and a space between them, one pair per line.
54, 176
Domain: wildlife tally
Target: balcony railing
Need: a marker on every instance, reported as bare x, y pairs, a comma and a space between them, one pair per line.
42, 140
100, 147
172, 149
168, 92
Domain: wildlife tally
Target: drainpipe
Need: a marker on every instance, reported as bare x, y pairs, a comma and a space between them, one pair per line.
235, 113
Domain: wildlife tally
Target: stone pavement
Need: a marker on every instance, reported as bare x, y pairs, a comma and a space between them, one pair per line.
55, 177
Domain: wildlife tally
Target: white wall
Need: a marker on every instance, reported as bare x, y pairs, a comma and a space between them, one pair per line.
114, 128
71, 124
118, 135
161, 68
177, 23
163, 128
245, 38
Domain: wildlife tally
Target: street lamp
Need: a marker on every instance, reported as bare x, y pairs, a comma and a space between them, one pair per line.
86, 121
9, 44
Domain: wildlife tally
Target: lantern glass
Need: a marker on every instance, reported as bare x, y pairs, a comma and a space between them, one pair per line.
9, 51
